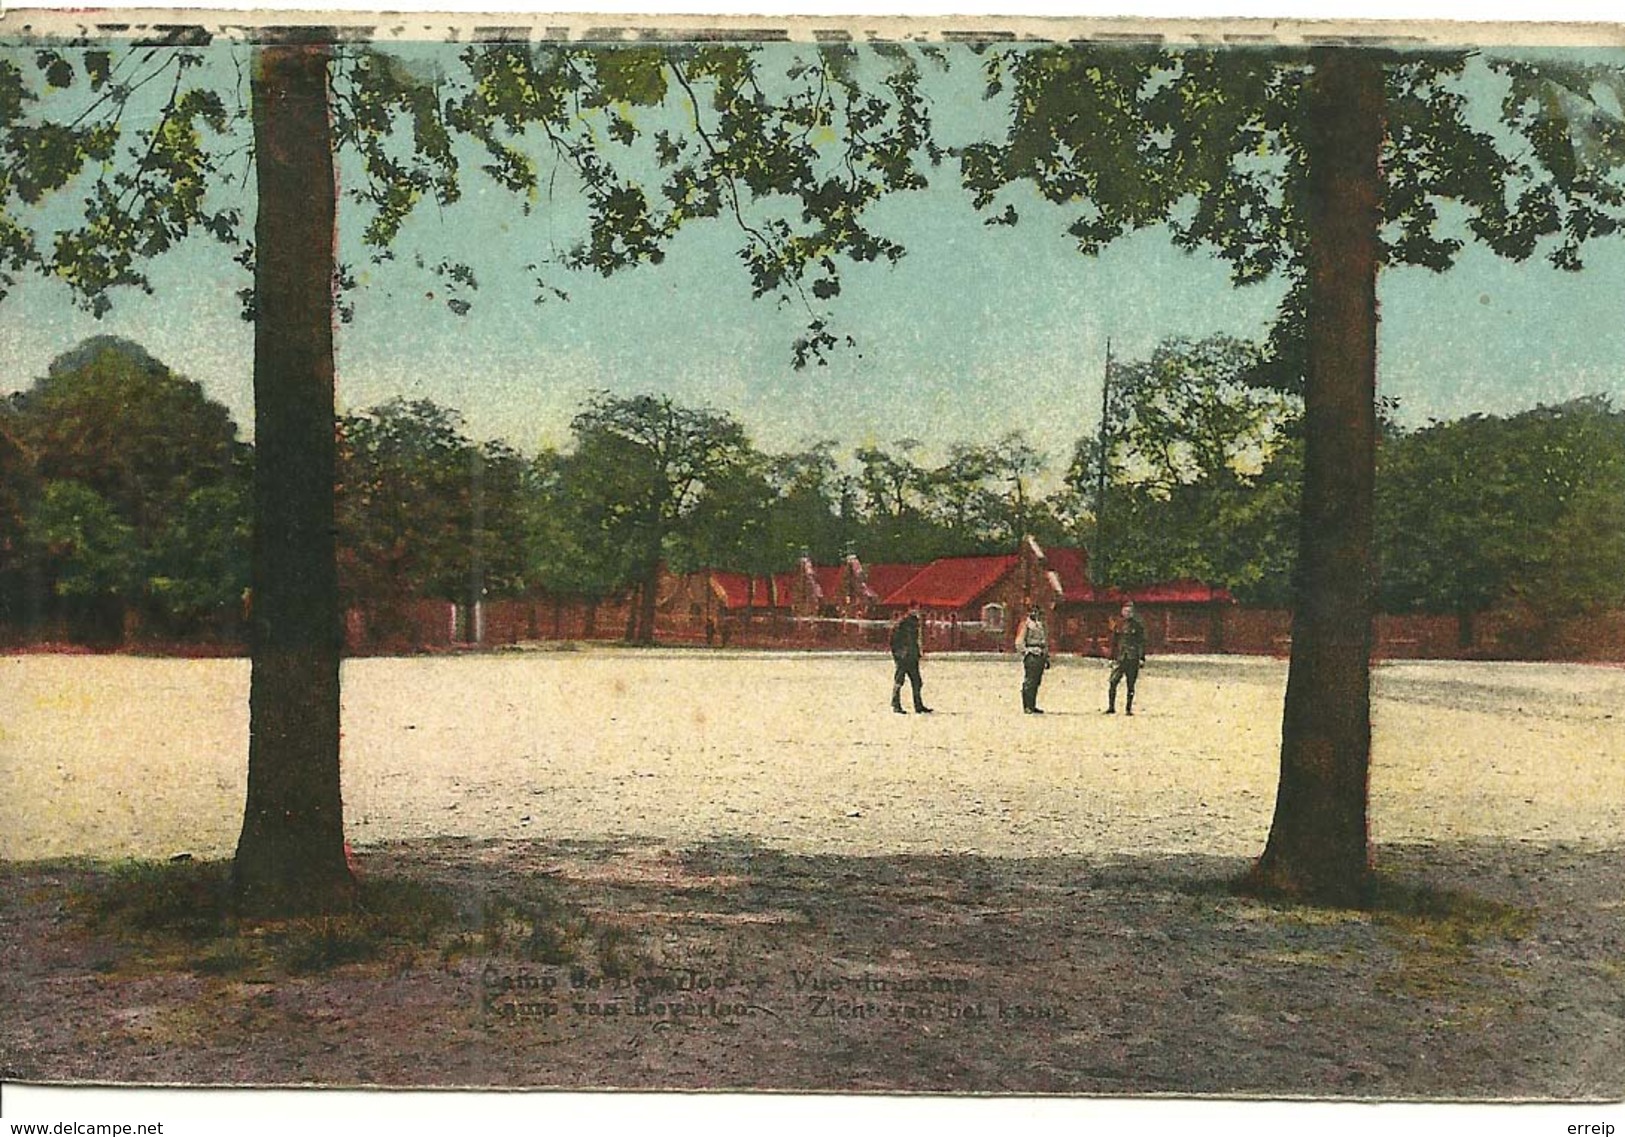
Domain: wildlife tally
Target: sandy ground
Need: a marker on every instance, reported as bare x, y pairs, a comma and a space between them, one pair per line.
109, 757
809, 892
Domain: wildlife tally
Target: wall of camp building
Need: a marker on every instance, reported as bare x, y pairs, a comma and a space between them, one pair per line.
1080, 629
687, 618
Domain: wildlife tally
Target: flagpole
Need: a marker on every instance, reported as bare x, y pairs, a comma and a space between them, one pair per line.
1099, 573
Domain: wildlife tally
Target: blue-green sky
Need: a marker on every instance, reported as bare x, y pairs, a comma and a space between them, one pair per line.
975, 332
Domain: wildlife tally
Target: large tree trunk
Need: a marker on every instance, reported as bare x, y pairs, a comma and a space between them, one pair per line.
290, 857
1319, 846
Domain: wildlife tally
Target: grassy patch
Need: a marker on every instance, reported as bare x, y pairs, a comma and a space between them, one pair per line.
540, 928
537, 928
184, 900
160, 916
177, 917
1438, 933
1445, 917
1448, 919
1439, 937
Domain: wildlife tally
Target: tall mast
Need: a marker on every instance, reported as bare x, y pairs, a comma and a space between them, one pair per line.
1099, 556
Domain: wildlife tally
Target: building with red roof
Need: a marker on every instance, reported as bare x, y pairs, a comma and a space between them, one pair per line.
882, 580
969, 603
740, 592
1182, 615
1071, 569
953, 583
978, 602
1186, 590
818, 590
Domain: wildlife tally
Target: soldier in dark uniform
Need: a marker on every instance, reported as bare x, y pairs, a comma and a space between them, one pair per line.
1032, 640
905, 653
1128, 653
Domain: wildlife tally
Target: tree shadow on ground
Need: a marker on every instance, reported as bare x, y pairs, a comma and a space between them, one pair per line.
1487, 970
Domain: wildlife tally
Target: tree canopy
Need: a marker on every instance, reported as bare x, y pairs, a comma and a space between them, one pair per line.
1210, 143
1489, 510
131, 489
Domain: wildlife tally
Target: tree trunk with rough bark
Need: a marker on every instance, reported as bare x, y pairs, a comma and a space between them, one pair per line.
1319, 842
290, 857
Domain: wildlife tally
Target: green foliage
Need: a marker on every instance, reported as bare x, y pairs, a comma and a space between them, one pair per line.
1203, 472
198, 565
142, 498
573, 535
732, 523
1583, 572
109, 415
1486, 510
806, 514
793, 155
423, 511
725, 135
1193, 413
889, 480
90, 552
404, 500
145, 189
16, 482
635, 75
642, 466
980, 498
1571, 117
1209, 142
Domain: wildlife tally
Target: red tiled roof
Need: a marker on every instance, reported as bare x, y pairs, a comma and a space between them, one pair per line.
784, 588
1072, 566
885, 579
1183, 591
953, 582
734, 590
829, 579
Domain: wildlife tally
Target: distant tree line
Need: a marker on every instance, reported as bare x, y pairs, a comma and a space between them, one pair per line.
124, 492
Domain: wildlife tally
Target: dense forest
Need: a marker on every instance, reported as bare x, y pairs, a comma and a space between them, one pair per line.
124, 491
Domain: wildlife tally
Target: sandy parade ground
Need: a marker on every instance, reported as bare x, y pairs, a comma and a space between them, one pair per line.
755, 818
110, 756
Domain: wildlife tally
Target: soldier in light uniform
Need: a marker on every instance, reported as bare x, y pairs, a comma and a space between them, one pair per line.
1032, 640
1128, 653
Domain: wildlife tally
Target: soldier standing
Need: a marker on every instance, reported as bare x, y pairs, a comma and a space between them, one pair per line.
1128, 653
1032, 640
905, 653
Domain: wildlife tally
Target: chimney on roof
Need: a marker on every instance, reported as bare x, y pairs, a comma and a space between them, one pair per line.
810, 576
